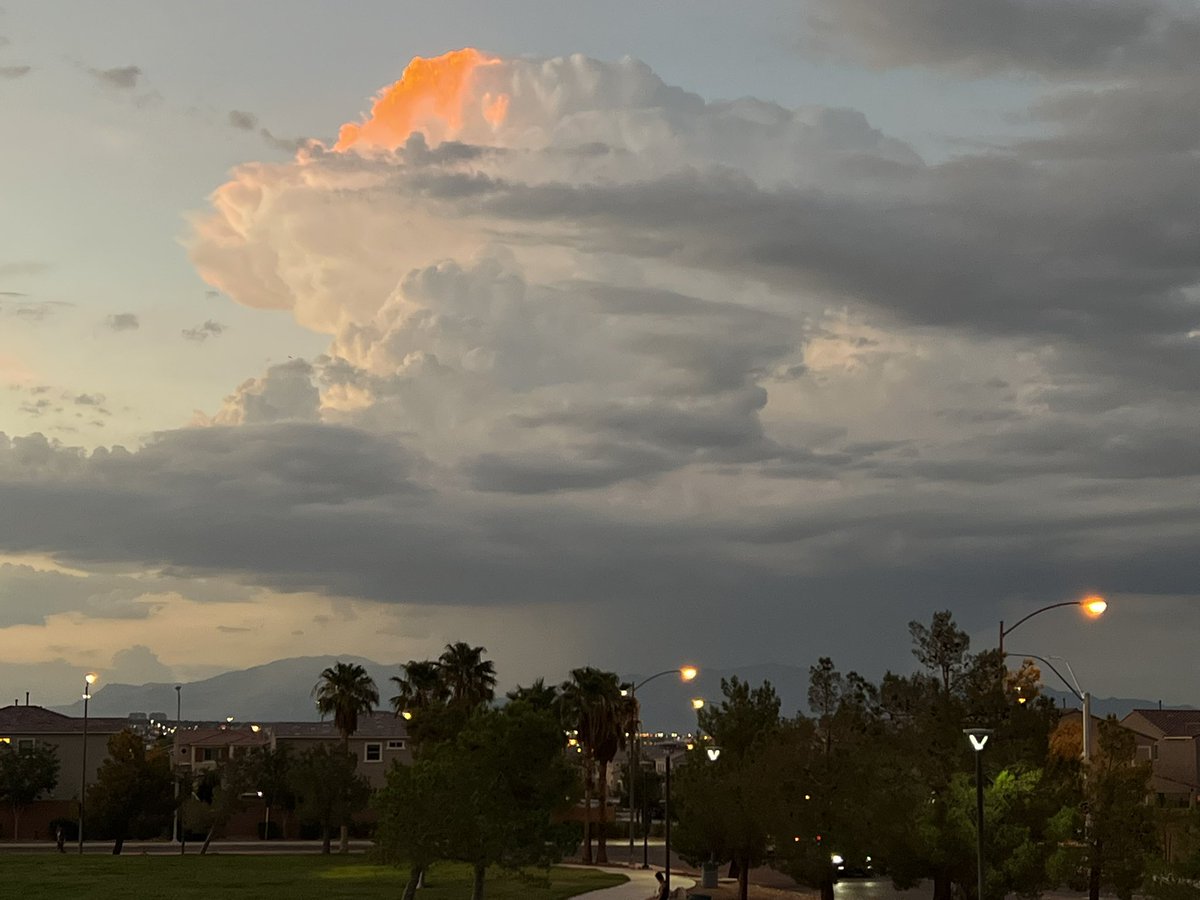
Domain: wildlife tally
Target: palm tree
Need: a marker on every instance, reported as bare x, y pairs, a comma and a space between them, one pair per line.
467, 676
594, 708
345, 690
538, 695
419, 688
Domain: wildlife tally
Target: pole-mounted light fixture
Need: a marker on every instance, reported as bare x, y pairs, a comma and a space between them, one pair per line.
979, 739
1092, 605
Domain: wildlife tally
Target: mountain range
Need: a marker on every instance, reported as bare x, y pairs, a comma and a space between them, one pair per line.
282, 691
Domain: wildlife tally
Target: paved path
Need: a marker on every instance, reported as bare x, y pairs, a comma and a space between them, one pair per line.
640, 886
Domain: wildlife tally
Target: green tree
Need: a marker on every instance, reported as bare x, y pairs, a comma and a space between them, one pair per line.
1117, 826
726, 809
413, 830
219, 795
26, 774
328, 788
133, 792
272, 774
828, 801
942, 648
345, 690
486, 797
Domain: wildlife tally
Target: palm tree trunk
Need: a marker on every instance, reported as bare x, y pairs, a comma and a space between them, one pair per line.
587, 809
208, 838
344, 830
601, 826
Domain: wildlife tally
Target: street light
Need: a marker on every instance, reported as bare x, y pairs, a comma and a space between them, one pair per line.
685, 673
1084, 697
1093, 606
979, 739
175, 762
88, 680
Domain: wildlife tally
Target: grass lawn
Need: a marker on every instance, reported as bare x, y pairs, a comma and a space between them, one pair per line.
52, 875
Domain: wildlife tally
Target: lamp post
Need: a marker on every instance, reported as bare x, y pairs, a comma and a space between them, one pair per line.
1084, 697
713, 753
88, 680
1094, 606
175, 763
978, 738
686, 673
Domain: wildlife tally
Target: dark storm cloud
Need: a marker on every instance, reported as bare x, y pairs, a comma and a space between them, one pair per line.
23, 267
203, 332
123, 78
302, 507
123, 322
243, 120
1094, 252
1054, 37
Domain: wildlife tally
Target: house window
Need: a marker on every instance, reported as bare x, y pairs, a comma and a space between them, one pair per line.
395, 745
25, 744
374, 753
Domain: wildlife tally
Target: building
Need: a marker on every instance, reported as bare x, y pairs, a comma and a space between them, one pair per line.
28, 726
1169, 739
380, 740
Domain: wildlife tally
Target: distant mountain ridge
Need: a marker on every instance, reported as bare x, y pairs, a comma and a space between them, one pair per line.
281, 691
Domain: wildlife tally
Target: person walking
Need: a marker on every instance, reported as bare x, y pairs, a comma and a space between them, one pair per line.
60, 839
663, 893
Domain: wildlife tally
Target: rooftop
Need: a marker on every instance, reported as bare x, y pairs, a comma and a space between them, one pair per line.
17, 719
1173, 722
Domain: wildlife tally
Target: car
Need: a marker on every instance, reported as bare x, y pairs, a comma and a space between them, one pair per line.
852, 867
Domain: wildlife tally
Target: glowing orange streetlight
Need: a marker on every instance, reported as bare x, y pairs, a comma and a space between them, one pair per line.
1093, 607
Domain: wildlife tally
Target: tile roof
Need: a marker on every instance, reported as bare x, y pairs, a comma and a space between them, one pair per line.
1173, 722
376, 724
221, 737
39, 720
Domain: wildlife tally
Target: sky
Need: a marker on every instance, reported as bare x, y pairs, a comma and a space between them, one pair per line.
615, 334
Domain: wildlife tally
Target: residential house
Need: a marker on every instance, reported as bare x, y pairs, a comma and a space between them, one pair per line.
1169, 739
27, 726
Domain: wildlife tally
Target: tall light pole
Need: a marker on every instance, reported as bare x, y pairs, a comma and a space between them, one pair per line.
713, 753
88, 680
978, 738
175, 762
1084, 697
685, 673
1094, 606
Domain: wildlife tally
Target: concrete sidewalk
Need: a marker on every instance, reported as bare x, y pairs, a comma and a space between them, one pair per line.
640, 886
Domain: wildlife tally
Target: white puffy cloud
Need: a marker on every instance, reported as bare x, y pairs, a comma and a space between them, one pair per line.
594, 340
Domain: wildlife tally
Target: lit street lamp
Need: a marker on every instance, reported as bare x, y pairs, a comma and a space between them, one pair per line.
1093, 606
979, 739
685, 673
88, 680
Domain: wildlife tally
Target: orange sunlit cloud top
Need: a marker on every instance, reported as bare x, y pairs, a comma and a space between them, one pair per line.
431, 92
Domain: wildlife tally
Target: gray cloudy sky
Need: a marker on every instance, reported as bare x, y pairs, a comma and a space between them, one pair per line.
640, 335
